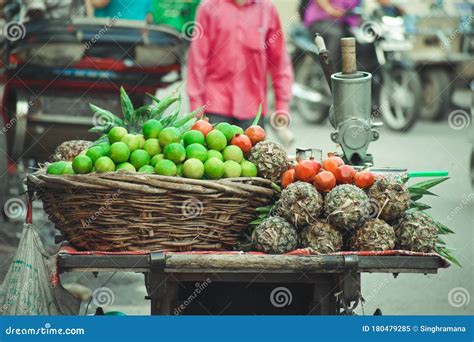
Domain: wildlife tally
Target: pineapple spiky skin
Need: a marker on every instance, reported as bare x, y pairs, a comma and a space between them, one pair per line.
374, 235
390, 198
321, 237
68, 150
275, 236
300, 204
417, 232
347, 207
271, 159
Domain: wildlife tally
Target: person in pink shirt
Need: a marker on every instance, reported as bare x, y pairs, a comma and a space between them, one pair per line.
236, 44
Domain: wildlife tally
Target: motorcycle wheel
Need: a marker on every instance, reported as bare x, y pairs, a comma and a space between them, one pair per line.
436, 93
400, 99
311, 93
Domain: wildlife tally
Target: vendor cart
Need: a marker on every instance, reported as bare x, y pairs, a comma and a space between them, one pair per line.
334, 280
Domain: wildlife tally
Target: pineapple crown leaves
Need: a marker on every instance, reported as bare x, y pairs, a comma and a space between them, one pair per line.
264, 213
127, 106
447, 253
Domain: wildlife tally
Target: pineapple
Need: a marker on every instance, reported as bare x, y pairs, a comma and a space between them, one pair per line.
275, 236
390, 198
374, 235
417, 232
68, 150
271, 159
347, 207
300, 204
321, 237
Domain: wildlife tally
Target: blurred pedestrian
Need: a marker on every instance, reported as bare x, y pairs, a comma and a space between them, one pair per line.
47, 9
236, 44
121, 9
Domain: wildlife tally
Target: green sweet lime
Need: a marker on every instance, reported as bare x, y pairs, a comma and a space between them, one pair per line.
152, 129
125, 166
179, 170
165, 167
193, 168
95, 153
232, 169
234, 153
214, 168
116, 134
216, 140
56, 168
249, 169
152, 146
142, 140
168, 136
147, 169
82, 164
68, 170
227, 129
119, 152
104, 164
175, 152
193, 137
138, 158
215, 154
105, 148
156, 158
197, 151
132, 141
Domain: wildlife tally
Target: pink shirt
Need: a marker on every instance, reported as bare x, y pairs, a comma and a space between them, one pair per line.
315, 13
233, 50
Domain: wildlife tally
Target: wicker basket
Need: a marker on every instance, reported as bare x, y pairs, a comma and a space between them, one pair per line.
125, 212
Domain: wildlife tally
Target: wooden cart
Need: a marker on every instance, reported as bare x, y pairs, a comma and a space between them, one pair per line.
334, 279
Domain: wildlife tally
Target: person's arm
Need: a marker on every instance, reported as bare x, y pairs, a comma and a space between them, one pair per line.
279, 63
329, 8
89, 8
197, 61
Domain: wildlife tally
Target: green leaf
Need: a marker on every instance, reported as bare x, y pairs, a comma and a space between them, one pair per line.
446, 253
259, 113
266, 209
420, 191
187, 117
163, 105
101, 129
429, 183
256, 222
415, 197
276, 187
419, 206
127, 106
106, 115
187, 126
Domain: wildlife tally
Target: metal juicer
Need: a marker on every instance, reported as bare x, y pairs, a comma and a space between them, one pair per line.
350, 113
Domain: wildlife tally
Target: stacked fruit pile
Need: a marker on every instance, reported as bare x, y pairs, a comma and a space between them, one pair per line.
172, 146
332, 207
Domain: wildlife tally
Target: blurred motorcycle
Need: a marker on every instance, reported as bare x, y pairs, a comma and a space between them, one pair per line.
382, 44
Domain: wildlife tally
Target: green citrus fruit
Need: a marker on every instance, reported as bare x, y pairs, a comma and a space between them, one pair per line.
152, 146
215, 154
193, 168
179, 170
152, 129
214, 168
165, 167
132, 141
249, 169
104, 164
147, 169
105, 147
232, 169
95, 153
216, 140
138, 158
193, 137
197, 151
56, 168
82, 164
237, 130
119, 152
68, 170
156, 158
168, 136
116, 134
142, 140
234, 153
175, 152
126, 166
227, 129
